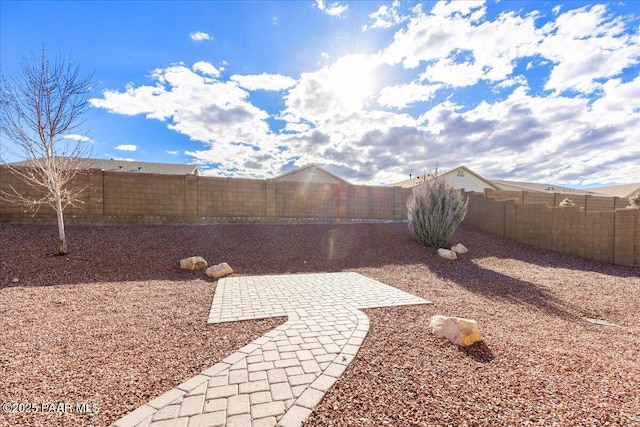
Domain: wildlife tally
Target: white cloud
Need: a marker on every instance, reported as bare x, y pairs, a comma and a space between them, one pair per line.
458, 50
453, 8
519, 80
79, 138
400, 96
263, 81
585, 45
333, 9
172, 152
205, 109
385, 17
324, 55
200, 36
345, 114
340, 88
206, 68
127, 147
559, 135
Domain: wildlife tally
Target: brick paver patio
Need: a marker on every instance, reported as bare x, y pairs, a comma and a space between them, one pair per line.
280, 377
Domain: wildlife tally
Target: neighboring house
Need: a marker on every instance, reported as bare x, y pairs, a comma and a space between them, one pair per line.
460, 177
623, 191
130, 166
311, 173
538, 187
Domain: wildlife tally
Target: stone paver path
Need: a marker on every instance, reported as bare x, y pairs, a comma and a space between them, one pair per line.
279, 378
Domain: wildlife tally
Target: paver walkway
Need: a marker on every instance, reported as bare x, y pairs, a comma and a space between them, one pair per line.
279, 378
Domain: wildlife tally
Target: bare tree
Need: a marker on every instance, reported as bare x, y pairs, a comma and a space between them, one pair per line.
39, 110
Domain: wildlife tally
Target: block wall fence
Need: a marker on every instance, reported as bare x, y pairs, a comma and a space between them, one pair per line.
138, 198
598, 228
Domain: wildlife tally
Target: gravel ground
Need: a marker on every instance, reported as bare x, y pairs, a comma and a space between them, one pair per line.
116, 323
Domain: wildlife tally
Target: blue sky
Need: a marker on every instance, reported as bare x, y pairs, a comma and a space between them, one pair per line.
372, 91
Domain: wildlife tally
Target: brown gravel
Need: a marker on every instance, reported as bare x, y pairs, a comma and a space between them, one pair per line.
117, 323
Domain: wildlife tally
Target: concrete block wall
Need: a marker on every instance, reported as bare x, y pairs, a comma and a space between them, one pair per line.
596, 231
588, 202
627, 237
230, 197
486, 214
621, 203
371, 202
144, 194
518, 196
307, 200
600, 235
138, 198
611, 236
86, 180
600, 203
536, 197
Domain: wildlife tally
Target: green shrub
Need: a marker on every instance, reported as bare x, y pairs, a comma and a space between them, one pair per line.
435, 210
567, 203
634, 201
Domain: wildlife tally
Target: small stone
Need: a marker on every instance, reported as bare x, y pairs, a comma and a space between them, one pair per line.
447, 254
461, 332
599, 322
15, 280
193, 263
459, 248
220, 270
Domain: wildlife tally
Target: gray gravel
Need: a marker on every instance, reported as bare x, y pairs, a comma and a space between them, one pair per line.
117, 323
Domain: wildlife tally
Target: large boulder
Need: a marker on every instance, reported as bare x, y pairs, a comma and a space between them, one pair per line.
219, 270
459, 249
193, 263
447, 254
461, 332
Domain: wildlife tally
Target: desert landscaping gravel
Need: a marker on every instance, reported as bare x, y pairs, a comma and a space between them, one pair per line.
116, 323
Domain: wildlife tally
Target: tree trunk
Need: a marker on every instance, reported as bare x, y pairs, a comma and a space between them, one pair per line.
61, 235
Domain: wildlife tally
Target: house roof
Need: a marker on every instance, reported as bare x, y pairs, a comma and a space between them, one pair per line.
130, 166
486, 181
622, 191
309, 167
539, 187
415, 181
409, 183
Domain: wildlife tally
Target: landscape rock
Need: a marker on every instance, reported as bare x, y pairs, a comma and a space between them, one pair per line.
461, 332
193, 263
446, 253
459, 248
219, 270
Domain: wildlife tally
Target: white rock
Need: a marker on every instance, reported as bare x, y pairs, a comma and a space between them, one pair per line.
219, 270
459, 248
446, 253
193, 263
461, 332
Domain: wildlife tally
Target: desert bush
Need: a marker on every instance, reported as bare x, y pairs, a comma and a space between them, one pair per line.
634, 201
435, 210
567, 203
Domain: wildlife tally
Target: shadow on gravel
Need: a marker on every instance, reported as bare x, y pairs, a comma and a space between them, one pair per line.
492, 284
480, 352
139, 253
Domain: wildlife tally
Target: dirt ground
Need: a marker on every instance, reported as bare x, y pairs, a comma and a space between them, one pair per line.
116, 323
